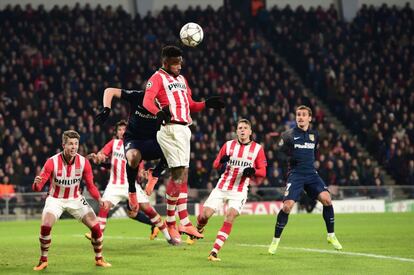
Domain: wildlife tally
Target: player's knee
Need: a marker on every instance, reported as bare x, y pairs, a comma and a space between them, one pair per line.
287, 207
133, 157
325, 199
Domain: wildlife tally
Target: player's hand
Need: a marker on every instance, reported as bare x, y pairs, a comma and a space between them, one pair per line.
164, 116
224, 159
36, 182
93, 157
249, 171
102, 116
215, 102
104, 204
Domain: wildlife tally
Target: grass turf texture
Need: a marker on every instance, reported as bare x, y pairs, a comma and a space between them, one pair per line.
130, 251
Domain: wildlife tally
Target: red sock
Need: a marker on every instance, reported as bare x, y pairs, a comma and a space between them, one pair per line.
97, 239
102, 216
173, 190
201, 222
222, 236
45, 239
154, 217
182, 205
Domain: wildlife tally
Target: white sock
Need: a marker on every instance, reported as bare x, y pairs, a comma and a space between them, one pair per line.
275, 240
331, 234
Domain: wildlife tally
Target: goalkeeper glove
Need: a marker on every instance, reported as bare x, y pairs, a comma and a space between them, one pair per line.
249, 171
102, 116
215, 102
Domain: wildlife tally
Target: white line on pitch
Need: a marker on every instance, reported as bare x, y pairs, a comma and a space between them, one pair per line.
281, 247
335, 252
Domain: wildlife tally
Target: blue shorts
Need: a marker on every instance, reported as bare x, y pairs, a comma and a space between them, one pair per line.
312, 184
149, 148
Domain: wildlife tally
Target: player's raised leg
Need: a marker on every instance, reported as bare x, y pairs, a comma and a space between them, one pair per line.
133, 157
282, 220
157, 221
328, 216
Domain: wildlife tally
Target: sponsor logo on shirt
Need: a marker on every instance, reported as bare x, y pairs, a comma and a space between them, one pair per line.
177, 85
67, 182
307, 145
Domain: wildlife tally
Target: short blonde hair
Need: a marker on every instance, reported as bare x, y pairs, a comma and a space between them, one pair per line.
243, 120
69, 134
304, 107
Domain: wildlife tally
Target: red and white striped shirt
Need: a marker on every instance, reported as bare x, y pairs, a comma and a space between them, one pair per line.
172, 91
241, 156
115, 149
65, 177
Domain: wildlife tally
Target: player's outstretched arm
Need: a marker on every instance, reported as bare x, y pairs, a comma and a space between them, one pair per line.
221, 158
109, 94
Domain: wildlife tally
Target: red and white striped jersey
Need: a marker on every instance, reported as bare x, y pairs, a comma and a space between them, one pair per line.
115, 149
65, 178
241, 156
173, 91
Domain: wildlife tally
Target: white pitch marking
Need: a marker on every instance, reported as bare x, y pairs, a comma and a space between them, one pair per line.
335, 252
281, 247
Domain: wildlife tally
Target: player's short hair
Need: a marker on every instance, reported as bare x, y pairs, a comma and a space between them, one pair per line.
171, 51
69, 134
122, 122
244, 120
304, 107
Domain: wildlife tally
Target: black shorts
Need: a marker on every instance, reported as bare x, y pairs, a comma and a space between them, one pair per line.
312, 184
149, 148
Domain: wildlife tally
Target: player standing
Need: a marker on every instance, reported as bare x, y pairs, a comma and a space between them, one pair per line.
300, 144
117, 188
65, 171
246, 163
170, 90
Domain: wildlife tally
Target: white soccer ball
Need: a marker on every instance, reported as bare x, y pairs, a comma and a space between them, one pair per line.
191, 34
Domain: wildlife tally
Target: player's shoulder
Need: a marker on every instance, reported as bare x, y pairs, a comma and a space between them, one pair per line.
288, 133
257, 145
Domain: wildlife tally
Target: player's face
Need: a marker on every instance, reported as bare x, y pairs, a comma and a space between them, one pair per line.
70, 148
244, 131
303, 118
120, 132
173, 64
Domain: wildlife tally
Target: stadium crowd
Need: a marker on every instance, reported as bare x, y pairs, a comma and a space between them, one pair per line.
363, 69
55, 66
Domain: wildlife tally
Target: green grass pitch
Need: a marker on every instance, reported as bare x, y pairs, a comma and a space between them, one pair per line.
373, 244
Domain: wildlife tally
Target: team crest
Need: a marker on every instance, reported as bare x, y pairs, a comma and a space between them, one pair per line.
312, 137
149, 85
77, 172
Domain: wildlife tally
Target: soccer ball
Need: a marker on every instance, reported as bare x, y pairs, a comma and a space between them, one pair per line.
191, 34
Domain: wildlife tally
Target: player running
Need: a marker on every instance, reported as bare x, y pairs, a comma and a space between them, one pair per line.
65, 171
300, 145
246, 164
168, 97
117, 188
